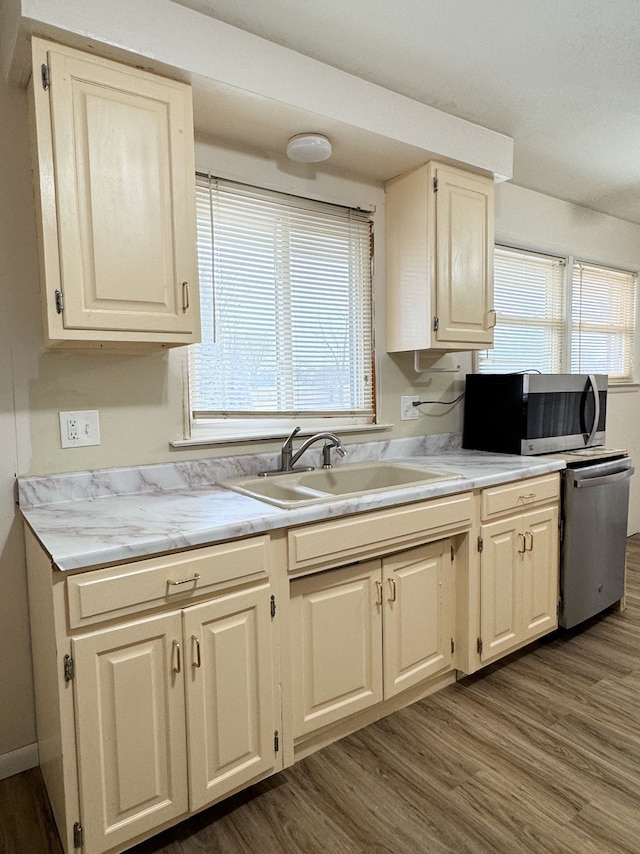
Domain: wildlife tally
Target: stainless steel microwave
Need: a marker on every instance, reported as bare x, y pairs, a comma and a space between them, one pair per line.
534, 413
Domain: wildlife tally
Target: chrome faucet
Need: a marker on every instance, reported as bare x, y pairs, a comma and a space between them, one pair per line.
288, 459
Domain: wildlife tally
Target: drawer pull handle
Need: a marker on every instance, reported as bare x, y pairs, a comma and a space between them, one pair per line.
196, 576
529, 496
380, 593
185, 296
177, 667
524, 544
196, 643
392, 584
529, 534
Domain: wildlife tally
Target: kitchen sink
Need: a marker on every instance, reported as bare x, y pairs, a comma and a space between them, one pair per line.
295, 489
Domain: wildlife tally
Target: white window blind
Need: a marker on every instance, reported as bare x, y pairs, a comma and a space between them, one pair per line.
286, 306
603, 321
529, 299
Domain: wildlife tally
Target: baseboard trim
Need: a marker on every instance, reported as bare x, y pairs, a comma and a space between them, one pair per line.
18, 760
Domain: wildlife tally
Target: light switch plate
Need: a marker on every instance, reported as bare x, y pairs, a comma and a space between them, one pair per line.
78, 429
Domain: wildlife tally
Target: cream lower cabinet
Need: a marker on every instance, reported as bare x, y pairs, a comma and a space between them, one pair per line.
519, 565
172, 712
156, 684
366, 632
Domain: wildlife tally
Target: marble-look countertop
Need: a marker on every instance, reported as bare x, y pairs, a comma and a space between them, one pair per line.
91, 519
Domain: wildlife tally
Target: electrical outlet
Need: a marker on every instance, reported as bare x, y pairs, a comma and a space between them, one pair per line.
78, 429
408, 412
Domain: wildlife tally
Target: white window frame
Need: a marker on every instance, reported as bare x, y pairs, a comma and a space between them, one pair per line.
251, 427
569, 321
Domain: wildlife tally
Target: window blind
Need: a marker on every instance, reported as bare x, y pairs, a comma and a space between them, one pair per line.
286, 306
603, 321
529, 298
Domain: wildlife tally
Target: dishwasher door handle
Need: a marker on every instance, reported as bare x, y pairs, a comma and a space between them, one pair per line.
606, 478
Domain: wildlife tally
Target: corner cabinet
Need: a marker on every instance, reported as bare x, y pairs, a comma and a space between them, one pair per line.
115, 192
519, 564
439, 249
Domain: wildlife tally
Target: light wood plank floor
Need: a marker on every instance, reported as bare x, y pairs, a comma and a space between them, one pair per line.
538, 753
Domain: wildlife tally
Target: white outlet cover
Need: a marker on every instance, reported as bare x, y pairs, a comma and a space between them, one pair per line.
79, 428
407, 411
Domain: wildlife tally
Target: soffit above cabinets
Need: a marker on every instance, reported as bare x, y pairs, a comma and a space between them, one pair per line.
254, 93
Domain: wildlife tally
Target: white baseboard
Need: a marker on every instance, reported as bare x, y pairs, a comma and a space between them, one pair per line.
18, 760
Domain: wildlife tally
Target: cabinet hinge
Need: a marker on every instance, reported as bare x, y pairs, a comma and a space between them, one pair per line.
453, 646
69, 668
273, 607
479, 645
435, 184
78, 835
59, 301
436, 324
44, 73
276, 741
480, 544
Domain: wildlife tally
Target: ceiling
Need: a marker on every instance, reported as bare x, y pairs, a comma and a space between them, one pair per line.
561, 77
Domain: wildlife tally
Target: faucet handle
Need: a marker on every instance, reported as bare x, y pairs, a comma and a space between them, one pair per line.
288, 441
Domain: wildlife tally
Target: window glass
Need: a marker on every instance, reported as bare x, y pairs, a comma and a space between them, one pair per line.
286, 306
539, 329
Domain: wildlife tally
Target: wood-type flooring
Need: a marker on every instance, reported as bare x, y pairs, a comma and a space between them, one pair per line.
538, 753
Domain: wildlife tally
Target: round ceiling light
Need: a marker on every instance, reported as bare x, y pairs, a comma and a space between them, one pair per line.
308, 148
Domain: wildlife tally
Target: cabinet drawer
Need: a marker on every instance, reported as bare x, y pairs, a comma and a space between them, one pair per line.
520, 495
103, 594
330, 544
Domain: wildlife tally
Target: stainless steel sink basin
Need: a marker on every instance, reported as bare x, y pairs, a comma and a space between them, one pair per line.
295, 489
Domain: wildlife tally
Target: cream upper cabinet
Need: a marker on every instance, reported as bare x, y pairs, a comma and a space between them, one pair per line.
115, 187
519, 565
439, 249
367, 632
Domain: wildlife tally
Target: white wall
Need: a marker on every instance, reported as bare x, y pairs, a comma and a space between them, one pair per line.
532, 221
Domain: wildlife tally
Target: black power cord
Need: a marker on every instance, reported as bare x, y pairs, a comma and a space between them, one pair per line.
442, 402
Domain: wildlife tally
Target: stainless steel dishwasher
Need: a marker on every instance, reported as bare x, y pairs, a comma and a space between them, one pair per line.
595, 503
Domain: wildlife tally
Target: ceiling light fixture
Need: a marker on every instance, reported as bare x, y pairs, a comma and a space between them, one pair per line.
308, 148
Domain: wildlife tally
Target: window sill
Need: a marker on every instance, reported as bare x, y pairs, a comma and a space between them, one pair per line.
275, 433
620, 387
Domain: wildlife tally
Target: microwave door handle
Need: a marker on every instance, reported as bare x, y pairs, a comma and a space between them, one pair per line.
596, 414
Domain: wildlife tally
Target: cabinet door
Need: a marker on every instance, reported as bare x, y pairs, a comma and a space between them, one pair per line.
130, 729
500, 566
540, 572
229, 692
418, 615
464, 257
336, 644
122, 160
